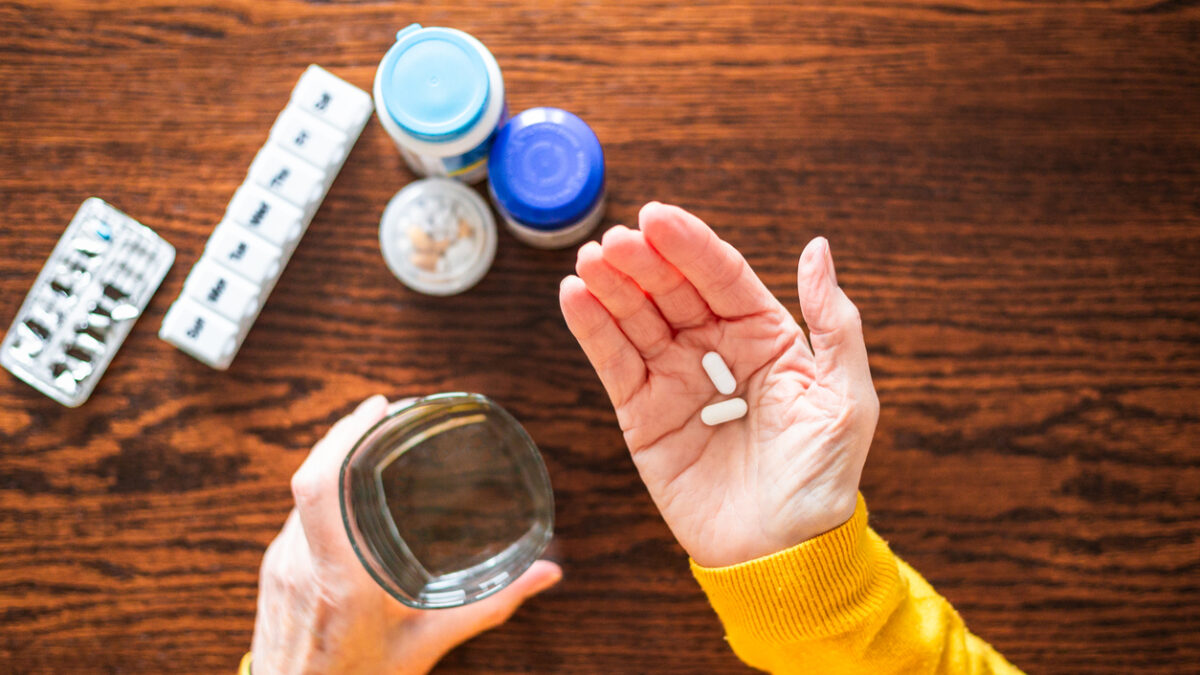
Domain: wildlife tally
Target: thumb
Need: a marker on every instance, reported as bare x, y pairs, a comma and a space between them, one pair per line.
493, 611
834, 324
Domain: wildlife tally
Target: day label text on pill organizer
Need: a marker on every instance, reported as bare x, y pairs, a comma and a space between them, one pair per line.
266, 217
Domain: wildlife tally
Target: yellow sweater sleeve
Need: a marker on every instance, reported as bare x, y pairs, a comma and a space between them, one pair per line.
842, 603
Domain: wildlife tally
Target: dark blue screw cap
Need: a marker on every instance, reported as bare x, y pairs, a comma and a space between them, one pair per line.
546, 168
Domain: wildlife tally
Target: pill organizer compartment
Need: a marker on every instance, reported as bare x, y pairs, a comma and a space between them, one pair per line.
97, 281
247, 254
332, 100
216, 287
267, 216
201, 332
309, 138
286, 175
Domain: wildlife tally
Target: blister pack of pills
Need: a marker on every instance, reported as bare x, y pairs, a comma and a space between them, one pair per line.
266, 218
99, 278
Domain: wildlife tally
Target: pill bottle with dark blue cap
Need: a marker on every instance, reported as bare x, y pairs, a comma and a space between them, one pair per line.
546, 177
439, 94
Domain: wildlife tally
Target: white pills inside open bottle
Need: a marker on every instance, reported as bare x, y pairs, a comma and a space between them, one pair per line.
438, 236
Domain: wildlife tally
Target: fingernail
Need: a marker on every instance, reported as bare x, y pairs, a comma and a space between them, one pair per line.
547, 583
608, 237
829, 264
555, 575
376, 401
395, 406
644, 213
812, 262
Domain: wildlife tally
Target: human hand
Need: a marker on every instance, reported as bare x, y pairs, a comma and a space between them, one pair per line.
319, 611
647, 305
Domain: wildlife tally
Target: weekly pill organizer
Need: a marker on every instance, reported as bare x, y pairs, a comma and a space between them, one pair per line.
94, 286
266, 218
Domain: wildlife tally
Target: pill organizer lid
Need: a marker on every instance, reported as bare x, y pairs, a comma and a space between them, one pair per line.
431, 201
546, 168
446, 500
434, 82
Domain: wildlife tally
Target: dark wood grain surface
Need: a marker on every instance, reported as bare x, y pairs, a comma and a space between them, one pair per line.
1011, 187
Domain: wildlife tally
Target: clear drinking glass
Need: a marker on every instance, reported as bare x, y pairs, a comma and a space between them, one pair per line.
446, 501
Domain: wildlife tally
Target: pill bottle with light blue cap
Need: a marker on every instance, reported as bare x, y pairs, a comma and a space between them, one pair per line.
546, 177
439, 94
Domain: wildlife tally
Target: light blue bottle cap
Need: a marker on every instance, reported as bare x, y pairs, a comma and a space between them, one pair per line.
434, 82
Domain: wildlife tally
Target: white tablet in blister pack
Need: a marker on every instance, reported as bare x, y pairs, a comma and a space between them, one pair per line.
99, 278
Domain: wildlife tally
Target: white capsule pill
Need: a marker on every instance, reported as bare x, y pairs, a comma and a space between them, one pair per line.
725, 411
719, 373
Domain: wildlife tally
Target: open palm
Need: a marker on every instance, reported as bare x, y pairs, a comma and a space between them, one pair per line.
647, 304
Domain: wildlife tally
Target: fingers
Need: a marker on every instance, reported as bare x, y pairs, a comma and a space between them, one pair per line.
493, 611
718, 272
638, 318
617, 362
396, 406
835, 328
676, 298
315, 484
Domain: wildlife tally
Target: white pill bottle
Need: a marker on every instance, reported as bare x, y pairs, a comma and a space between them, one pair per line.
439, 94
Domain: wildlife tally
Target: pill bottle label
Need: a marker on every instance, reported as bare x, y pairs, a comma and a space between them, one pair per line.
469, 167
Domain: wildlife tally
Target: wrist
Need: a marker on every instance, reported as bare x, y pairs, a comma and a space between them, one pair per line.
823, 586
828, 513
805, 520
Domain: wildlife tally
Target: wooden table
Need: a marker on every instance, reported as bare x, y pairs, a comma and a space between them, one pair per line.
1011, 187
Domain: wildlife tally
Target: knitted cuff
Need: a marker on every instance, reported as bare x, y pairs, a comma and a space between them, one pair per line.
825, 586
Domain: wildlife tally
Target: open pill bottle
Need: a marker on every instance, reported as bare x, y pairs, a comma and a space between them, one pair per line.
438, 236
446, 500
546, 177
439, 94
